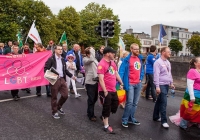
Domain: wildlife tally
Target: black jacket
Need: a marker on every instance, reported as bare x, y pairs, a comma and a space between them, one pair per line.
51, 62
98, 55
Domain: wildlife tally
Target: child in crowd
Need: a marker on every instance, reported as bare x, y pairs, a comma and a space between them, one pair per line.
71, 67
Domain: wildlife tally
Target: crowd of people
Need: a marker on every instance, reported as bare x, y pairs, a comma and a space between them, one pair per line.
102, 72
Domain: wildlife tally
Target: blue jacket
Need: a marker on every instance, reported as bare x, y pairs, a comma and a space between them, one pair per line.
149, 63
80, 57
124, 71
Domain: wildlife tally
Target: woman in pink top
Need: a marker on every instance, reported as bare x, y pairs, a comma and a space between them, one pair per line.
190, 105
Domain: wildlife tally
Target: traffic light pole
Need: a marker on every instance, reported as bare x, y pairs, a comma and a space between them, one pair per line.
106, 42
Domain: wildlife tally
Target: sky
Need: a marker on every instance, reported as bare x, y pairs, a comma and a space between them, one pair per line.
140, 15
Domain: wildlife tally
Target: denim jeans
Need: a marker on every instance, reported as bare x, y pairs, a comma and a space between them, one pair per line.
132, 98
150, 85
161, 104
183, 123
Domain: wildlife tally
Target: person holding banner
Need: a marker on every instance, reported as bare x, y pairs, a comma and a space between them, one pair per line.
40, 48
58, 63
15, 51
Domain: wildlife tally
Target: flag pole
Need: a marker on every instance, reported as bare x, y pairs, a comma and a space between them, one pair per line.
27, 35
61, 37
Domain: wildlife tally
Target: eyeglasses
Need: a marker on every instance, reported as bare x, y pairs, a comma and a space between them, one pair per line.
70, 58
59, 49
136, 49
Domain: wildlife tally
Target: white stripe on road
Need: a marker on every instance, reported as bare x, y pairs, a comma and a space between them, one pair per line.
11, 99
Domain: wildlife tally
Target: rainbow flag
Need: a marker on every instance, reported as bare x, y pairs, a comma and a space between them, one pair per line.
192, 115
121, 46
121, 94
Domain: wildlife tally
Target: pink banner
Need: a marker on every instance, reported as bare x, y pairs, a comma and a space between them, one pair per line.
23, 71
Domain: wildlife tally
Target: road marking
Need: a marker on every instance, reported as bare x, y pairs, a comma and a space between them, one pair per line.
30, 96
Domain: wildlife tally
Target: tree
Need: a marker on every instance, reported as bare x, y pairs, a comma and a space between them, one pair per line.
194, 45
68, 20
175, 45
9, 10
130, 39
90, 16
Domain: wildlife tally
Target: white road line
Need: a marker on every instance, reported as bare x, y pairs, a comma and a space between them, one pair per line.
11, 99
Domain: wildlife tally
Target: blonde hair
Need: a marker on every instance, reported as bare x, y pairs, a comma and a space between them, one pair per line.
133, 44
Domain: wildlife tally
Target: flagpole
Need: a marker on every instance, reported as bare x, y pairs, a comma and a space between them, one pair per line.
27, 35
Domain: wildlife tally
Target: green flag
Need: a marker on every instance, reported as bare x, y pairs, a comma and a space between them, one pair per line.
19, 39
63, 39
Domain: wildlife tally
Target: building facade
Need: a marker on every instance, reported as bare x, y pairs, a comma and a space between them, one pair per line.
182, 34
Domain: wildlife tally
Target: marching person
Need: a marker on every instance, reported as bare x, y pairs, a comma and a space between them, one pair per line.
40, 48
99, 53
71, 67
57, 62
15, 51
108, 75
132, 73
162, 80
90, 65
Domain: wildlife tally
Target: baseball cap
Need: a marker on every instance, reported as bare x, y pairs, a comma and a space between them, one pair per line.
108, 50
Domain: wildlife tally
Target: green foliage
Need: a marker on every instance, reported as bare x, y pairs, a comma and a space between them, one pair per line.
69, 21
130, 39
90, 17
194, 45
18, 16
175, 45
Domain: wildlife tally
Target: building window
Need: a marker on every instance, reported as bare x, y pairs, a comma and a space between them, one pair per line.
156, 42
182, 35
147, 42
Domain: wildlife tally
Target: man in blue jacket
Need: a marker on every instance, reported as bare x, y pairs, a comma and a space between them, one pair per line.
151, 58
131, 72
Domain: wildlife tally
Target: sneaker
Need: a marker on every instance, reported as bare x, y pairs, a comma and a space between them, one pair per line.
56, 116
15, 98
60, 111
158, 120
135, 122
124, 124
79, 94
38, 94
165, 125
109, 130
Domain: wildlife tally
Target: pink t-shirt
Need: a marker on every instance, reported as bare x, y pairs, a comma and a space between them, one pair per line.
109, 77
134, 70
193, 74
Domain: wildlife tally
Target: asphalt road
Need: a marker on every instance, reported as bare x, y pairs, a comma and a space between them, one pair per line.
30, 119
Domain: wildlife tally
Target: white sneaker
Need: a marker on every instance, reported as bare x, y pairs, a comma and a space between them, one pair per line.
158, 120
79, 94
76, 96
165, 125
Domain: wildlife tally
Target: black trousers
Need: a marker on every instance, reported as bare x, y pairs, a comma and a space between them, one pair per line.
150, 85
14, 92
92, 92
110, 103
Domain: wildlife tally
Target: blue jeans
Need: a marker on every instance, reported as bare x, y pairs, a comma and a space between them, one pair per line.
132, 98
161, 104
183, 123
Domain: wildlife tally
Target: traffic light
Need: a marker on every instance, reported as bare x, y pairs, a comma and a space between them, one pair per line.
110, 28
98, 28
105, 28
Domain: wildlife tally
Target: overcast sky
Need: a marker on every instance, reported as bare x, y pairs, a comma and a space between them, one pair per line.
141, 14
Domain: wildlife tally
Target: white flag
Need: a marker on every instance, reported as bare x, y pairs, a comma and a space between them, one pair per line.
33, 34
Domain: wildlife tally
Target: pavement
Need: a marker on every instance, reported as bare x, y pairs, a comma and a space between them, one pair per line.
180, 84
30, 119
